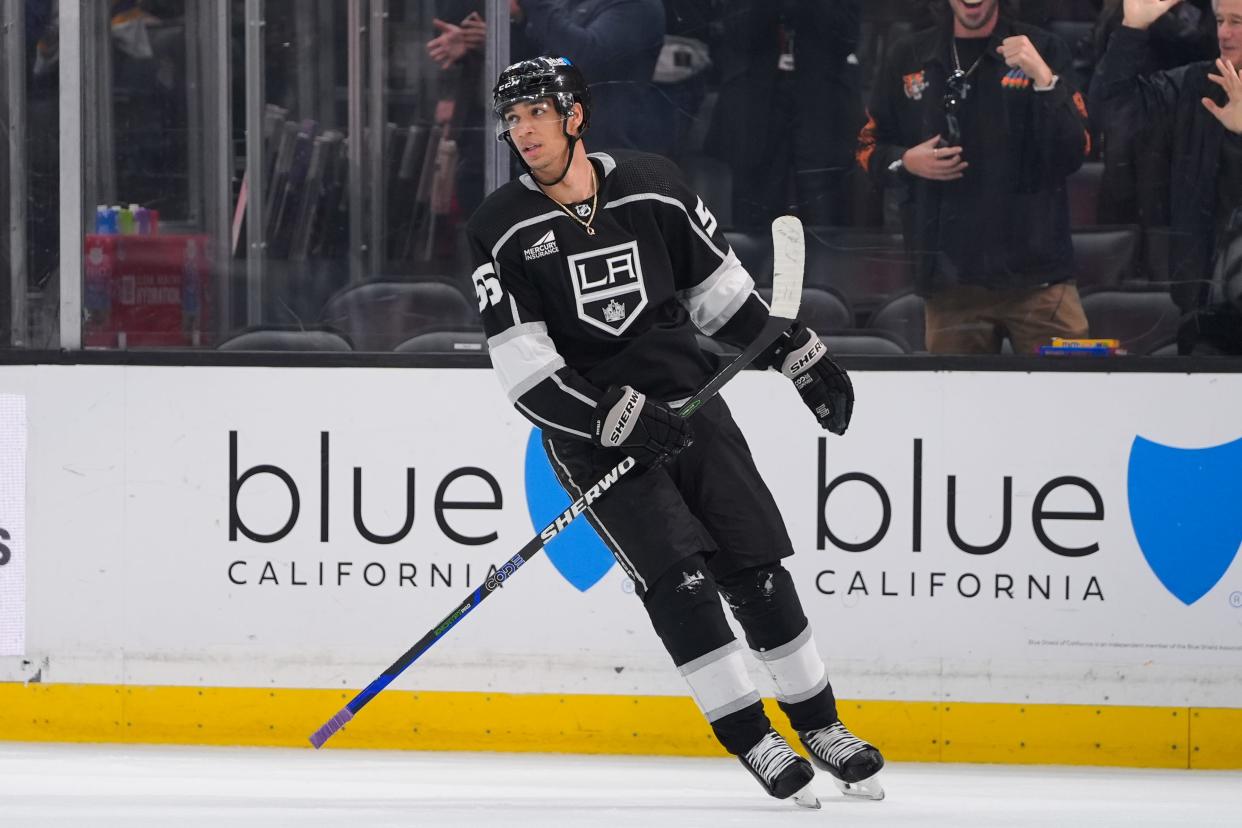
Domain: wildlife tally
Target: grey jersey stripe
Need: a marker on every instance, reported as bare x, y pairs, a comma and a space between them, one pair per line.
526, 223
563, 429
621, 202
709, 658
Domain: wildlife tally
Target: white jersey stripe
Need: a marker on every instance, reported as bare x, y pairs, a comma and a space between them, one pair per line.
713, 301
719, 682
524, 359
796, 668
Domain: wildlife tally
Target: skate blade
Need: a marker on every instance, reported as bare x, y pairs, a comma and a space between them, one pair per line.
806, 798
866, 789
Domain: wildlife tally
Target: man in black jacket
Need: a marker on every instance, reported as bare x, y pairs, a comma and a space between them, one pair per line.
789, 106
979, 121
1202, 111
616, 43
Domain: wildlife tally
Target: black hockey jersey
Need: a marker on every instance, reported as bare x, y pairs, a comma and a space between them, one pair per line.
568, 314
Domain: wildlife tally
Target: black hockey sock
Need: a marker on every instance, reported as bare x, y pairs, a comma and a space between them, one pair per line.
685, 611
765, 603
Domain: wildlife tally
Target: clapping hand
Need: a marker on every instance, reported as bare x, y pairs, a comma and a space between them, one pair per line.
1140, 14
1229, 79
449, 46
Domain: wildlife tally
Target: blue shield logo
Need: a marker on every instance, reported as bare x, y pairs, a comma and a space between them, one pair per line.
577, 552
1186, 509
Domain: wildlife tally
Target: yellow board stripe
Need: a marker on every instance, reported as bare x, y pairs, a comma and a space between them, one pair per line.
1161, 737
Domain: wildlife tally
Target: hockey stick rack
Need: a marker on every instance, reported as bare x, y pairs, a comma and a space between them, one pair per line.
789, 255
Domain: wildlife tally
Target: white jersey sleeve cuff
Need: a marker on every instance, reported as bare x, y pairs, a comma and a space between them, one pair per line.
524, 356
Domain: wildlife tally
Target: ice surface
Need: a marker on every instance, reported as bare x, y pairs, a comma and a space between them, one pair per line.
181, 787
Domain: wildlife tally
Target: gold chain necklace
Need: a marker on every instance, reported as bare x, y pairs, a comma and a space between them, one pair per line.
594, 201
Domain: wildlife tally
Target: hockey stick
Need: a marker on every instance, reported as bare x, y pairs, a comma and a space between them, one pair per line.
788, 256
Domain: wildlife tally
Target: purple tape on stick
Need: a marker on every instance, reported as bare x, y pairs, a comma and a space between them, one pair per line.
334, 724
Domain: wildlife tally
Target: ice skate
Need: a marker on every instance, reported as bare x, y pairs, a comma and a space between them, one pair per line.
782, 773
852, 762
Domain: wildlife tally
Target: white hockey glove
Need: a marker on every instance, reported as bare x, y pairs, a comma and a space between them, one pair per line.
646, 430
823, 385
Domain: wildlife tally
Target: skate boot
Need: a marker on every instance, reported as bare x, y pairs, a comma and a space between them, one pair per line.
852, 762
782, 773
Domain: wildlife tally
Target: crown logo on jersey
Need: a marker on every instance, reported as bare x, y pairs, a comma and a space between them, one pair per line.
614, 311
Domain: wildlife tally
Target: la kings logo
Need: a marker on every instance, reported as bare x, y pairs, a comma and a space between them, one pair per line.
608, 286
545, 246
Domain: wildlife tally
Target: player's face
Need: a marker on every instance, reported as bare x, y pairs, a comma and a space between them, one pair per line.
972, 15
538, 132
1229, 30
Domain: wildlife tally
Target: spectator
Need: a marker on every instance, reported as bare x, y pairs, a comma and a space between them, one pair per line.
1203, 112
1135, 187
683, 72
790, 91
457, 49
615, 43
976, 120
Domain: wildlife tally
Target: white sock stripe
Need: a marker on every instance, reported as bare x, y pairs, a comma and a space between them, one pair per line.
785, 649
719, 682
800, 673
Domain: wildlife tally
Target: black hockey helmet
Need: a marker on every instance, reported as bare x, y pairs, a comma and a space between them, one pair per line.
543, 77
546, 77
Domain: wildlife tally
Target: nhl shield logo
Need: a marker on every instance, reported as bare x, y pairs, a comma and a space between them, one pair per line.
1184, 509
608, 286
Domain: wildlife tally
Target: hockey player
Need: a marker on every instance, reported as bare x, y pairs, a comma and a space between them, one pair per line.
594, 274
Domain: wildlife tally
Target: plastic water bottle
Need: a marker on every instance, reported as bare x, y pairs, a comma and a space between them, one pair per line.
125, 221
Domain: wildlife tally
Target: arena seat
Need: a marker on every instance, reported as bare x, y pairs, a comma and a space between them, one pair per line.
380, 315
865, 267
902, 317
754, 251
1105, 256
464, 341
1083, 190
865, 342
823, 311
1143, 318
287, 339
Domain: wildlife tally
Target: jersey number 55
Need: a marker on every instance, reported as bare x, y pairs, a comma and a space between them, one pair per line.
486, 285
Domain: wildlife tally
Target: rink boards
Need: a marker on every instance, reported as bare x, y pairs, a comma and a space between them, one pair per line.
998, 567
